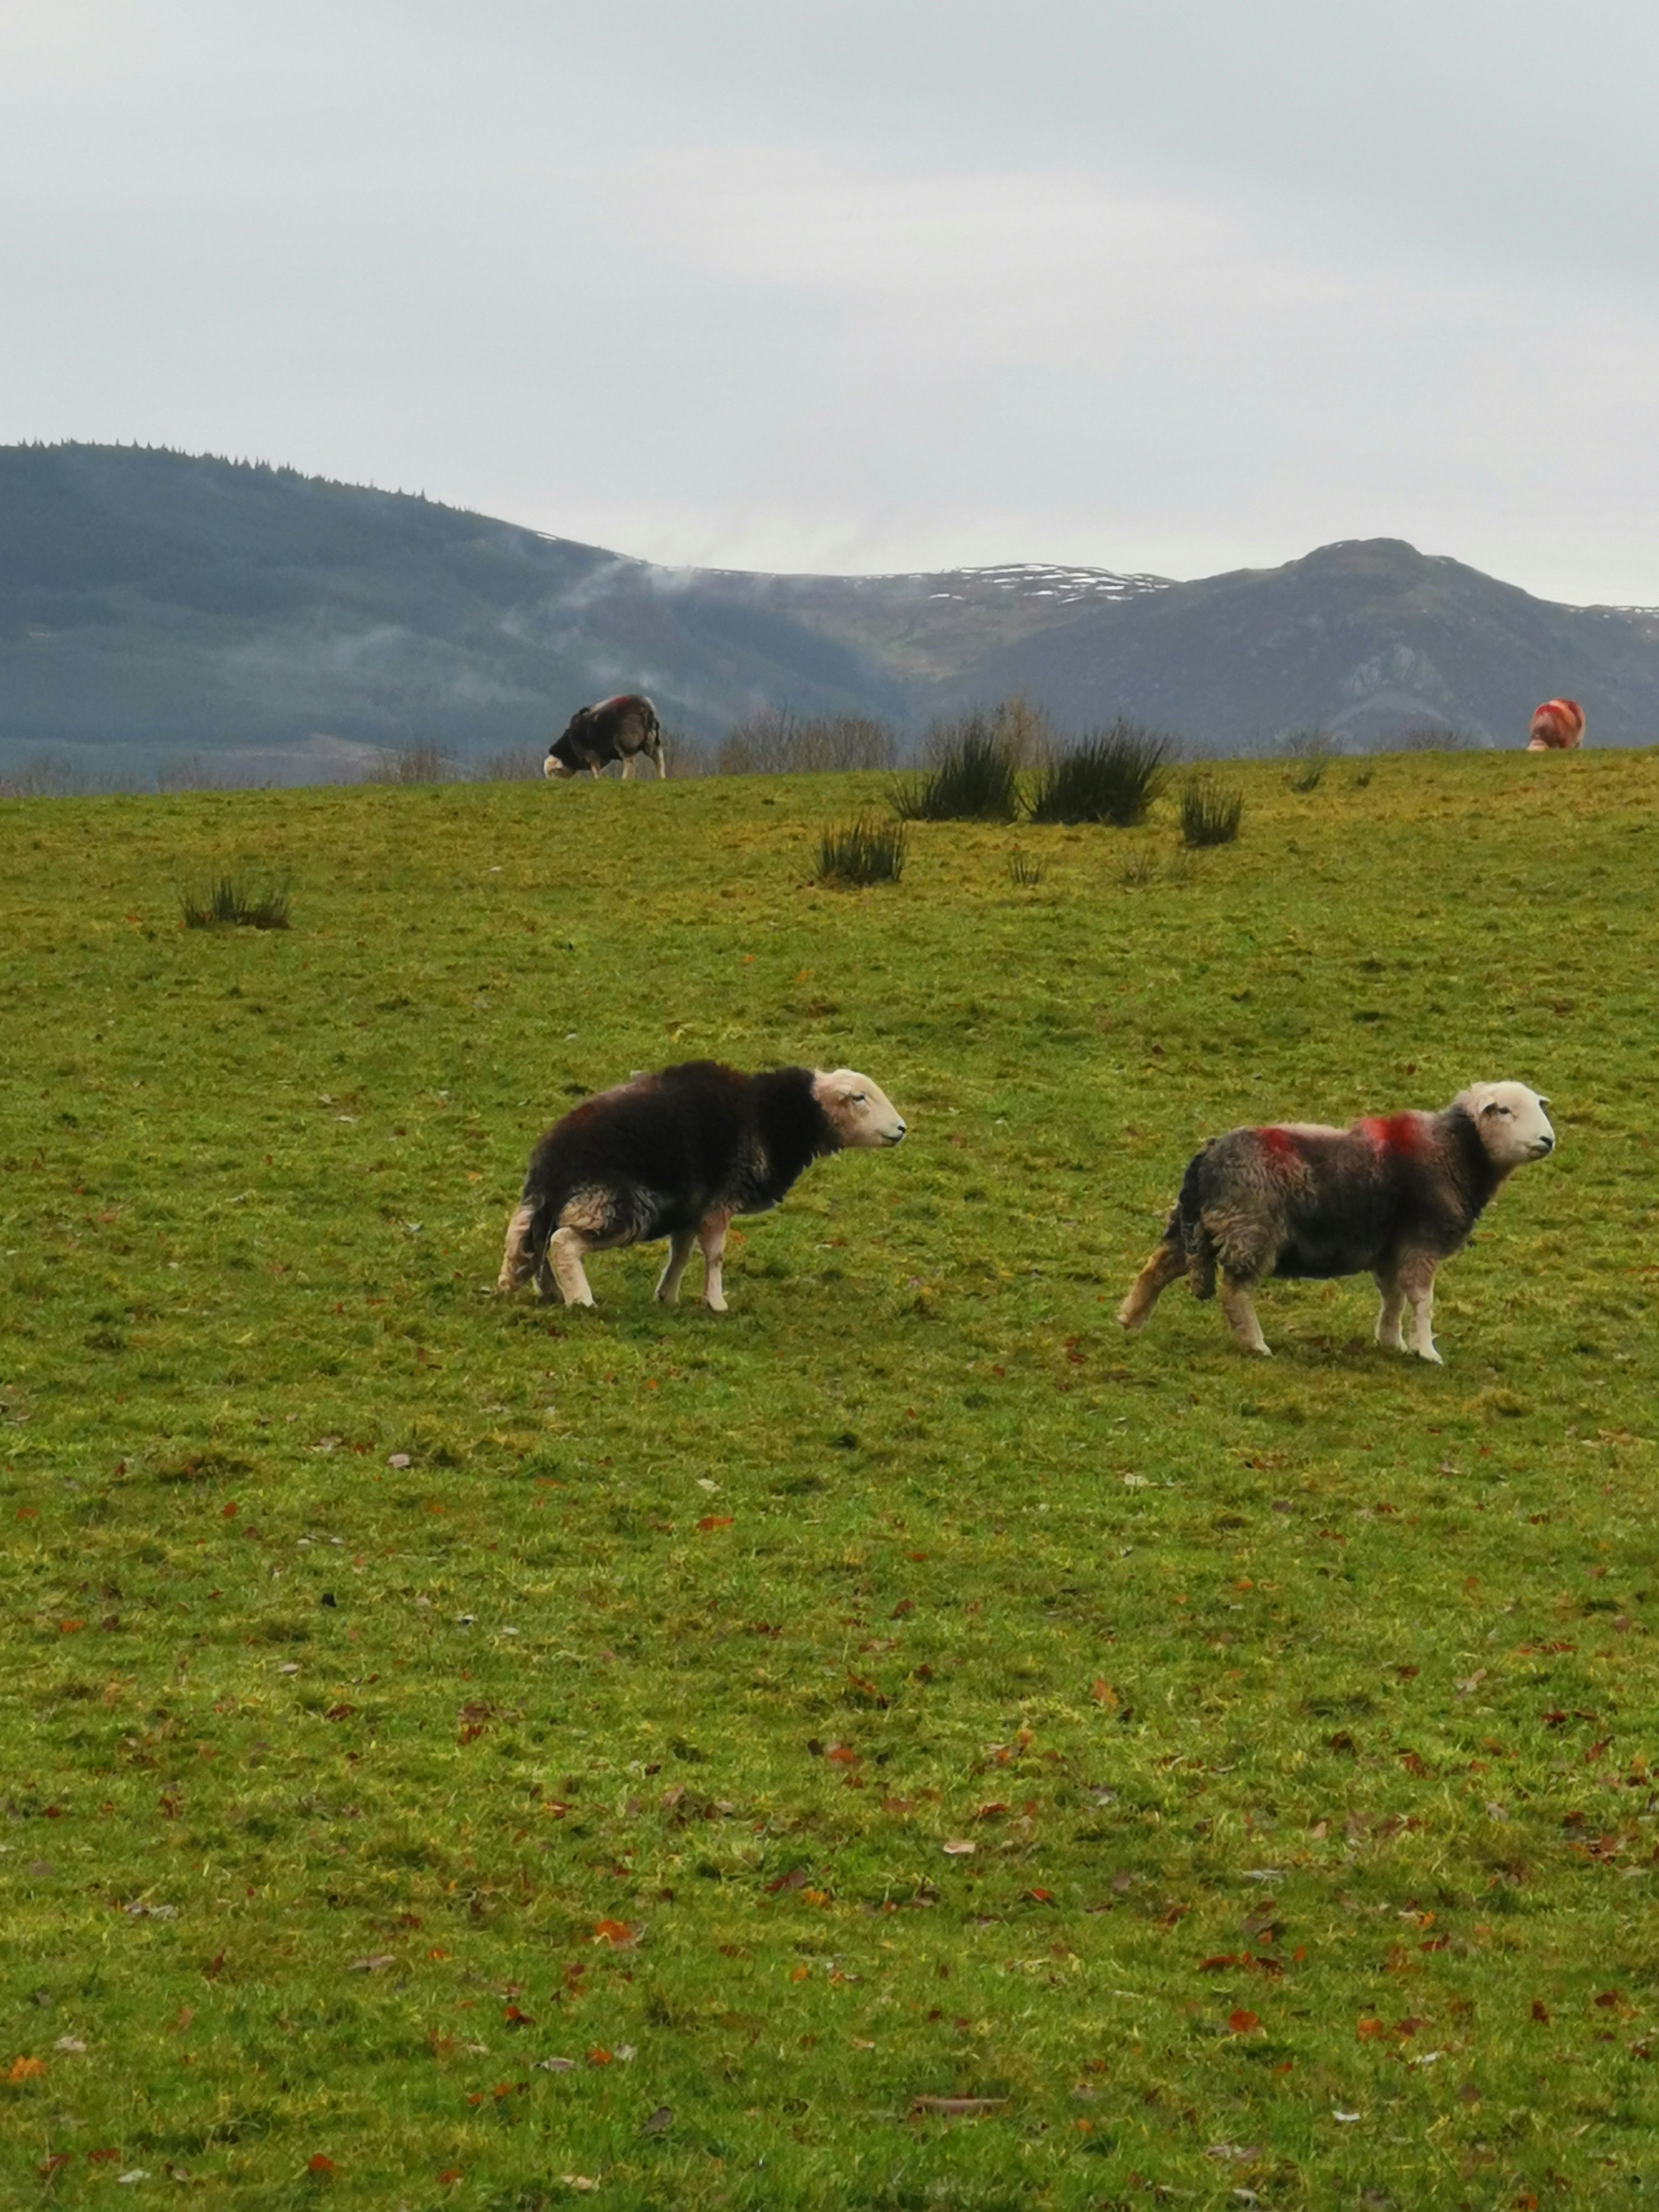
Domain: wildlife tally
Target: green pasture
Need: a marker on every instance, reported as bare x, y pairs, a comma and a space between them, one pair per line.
457, 1752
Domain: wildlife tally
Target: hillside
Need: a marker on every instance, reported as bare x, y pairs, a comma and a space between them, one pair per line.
154, 604
151, 601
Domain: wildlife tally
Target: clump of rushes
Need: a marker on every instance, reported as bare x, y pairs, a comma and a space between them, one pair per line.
1310, 752
863, 852
1112, 776
1210, 812
972, 778
229, 904
1023, 871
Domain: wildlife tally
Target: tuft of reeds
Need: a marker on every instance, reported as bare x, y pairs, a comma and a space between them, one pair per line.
1024, 871
862, 852
1310, 752
970, 777
229, 903
1211, 811
1111, 776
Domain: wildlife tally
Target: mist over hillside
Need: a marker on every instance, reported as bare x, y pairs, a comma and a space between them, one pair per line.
154, 605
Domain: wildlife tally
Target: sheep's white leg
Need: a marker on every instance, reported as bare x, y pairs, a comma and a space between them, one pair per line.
661, 769
1389, 1313
1419, 1285
1164, 1267
593, 769
631, 761
517, 1261
681, 1246
711, 1238
1241, 1318
566, 1250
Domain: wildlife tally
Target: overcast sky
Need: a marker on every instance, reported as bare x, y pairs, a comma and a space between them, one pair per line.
1179, 285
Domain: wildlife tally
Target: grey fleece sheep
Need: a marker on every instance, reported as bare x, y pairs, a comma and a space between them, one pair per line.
1394, 1194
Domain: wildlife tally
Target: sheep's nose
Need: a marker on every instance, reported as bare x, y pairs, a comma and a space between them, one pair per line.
1546, 1144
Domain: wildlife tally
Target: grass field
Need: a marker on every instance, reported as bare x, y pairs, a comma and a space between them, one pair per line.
460, 1752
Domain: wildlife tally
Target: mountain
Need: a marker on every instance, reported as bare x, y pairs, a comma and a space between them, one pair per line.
154, 603
1367, 639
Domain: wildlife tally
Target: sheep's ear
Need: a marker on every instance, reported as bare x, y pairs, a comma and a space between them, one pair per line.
1491, 1106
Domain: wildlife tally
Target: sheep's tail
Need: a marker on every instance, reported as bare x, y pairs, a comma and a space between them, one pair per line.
527, 1232
1187, 1231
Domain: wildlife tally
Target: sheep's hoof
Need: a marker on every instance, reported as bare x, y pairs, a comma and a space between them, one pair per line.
1432, 1356
715, 1305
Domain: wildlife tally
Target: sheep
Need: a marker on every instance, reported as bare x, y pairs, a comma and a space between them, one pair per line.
1393, 1194
1556, 726
616, 729
677, 1154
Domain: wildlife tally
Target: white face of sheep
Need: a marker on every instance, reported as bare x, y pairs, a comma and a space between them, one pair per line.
860, 1111
1513, 1122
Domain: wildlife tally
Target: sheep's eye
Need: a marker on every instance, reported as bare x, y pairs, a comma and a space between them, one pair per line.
860, 1097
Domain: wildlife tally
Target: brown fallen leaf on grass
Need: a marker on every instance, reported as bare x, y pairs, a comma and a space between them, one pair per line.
25, 2070
956, 2108
617, 1934
656, 2122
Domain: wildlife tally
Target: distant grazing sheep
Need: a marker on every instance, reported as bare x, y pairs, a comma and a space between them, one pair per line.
616, 729
1394, 1194
1556, 726
676, 1155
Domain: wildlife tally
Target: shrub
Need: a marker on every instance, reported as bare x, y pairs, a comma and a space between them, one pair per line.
970, 777
1210, 812
1310, 752
1024, 732
779, 743
422, 763
517, 764
229, 904
1112, 776
865, 852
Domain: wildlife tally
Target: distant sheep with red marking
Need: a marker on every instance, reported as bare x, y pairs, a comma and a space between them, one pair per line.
676, 1155
1392, 1195
1556, 726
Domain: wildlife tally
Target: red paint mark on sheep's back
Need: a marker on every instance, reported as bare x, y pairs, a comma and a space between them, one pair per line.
1556, 726
1278, 1144
1395, 1133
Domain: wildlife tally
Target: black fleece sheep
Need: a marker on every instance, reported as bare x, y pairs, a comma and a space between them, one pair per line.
1394, 1194
620, 729
676, 1155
